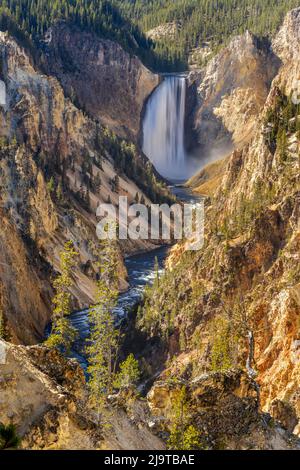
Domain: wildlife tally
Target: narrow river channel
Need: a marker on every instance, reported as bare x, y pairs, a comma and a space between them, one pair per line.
141, 272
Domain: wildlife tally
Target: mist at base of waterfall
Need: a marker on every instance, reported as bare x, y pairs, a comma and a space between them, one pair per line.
199, 159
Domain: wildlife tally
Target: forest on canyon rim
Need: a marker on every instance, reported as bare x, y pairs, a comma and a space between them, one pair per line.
207, 355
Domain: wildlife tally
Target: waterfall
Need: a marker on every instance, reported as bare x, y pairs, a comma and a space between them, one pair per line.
163, 128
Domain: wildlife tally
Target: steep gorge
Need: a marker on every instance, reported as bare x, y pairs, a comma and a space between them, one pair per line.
245, 282
103, 79
198, 321
231, 91
57, 165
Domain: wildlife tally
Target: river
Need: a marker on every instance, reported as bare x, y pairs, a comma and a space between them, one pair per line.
163, 143
141, 272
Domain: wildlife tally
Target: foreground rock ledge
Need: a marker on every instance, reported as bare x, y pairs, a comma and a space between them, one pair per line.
45, 396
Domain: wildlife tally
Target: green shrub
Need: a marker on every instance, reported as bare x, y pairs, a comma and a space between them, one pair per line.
8, 437
129, 373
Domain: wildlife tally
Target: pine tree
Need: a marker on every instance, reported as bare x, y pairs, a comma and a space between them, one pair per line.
62, 333
192, 439
116, 184
51, 185
88, 198
2, 331
3, 334
59, 192
8, 437
129, 373
183, 435
221, 354
97, 182
102, 347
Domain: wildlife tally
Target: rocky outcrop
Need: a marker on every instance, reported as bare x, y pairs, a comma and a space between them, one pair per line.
45, 396
25, 291
200, 55
284, 44
165, 31
55, 169
241, 291
103, 79
223, 407
232, 90
208, 180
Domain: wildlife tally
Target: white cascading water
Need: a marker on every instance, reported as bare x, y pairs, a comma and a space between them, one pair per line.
163, 128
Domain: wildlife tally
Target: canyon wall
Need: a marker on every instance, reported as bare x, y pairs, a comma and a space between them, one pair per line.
45, 396
108, 83
57, 165
231, 91
236, 302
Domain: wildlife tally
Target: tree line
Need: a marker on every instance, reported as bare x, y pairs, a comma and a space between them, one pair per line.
127, 21
29, 20
199, 21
